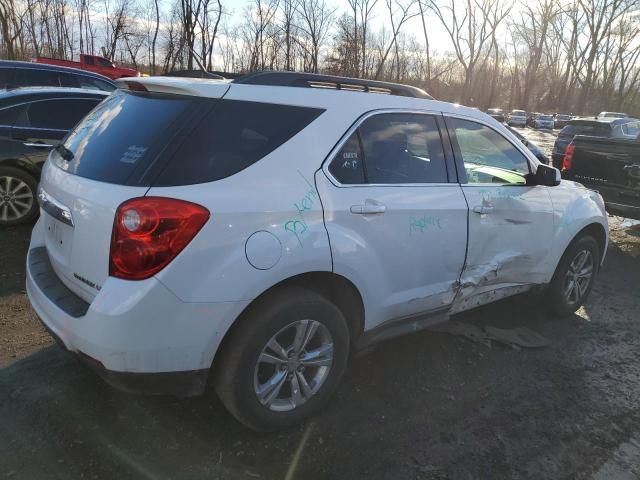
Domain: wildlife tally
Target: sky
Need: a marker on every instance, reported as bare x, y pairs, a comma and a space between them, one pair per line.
438, 37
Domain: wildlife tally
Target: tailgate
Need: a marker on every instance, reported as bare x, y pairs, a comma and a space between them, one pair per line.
611, 166
78, 218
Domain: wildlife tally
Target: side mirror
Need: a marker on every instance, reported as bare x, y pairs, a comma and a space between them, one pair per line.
545, 175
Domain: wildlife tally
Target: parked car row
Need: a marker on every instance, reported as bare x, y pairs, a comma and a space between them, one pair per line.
521, 118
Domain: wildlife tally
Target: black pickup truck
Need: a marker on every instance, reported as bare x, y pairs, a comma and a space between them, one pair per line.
593, 126
609, 165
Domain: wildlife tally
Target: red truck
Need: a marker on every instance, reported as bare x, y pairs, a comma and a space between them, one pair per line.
93, 63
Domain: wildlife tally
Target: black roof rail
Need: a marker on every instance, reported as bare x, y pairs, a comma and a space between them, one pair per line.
316, 80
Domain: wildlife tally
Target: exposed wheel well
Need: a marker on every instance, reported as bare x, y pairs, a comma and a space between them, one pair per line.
598, 232
334, 287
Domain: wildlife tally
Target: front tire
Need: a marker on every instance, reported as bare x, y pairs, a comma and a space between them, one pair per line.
283, 360
573, 279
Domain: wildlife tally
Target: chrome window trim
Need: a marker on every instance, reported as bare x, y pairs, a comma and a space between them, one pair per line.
359, 121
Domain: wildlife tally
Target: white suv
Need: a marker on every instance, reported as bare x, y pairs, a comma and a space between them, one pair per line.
255, 232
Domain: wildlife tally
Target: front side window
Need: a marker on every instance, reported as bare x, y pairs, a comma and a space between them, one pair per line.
105, 63
488, 156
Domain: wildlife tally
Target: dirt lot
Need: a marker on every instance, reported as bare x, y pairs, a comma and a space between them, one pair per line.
430, 405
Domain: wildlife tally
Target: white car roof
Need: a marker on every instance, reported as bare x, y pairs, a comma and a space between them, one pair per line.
356, 102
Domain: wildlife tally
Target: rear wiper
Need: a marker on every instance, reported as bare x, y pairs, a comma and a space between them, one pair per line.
64, 152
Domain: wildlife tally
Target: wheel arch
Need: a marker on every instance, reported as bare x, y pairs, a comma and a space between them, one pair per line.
597, 231
24, 165
336, 288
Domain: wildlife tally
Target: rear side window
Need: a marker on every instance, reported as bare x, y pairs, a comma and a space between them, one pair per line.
124, 133
84, 81
231, 137
28, 77
348, 165
591, 130
60, 114
403, 148
390, 149
626, 130
9, 115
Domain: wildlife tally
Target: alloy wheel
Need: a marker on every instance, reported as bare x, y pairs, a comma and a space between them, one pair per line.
293, 365
578, 277
16, 199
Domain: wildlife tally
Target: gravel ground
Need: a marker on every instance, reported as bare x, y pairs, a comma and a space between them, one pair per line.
425, 406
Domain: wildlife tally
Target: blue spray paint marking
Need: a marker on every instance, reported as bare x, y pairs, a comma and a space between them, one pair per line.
299, 226
421, 224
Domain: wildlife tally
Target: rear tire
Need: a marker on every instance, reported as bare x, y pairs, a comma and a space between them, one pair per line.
251, 367
574, 276
18, 202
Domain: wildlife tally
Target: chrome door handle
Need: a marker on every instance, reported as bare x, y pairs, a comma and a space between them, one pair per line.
368, 209
482, 209
43, 145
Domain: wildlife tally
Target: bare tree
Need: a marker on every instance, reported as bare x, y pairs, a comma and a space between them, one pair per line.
470, 25
315, 19
399, 13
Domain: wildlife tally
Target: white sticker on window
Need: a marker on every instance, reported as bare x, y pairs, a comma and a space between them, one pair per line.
133, 154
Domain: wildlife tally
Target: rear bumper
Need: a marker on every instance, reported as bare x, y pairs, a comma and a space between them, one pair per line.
137, 335
179, 384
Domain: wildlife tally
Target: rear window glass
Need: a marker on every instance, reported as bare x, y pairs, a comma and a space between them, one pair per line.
592, 130
232, 136
122, 135
169, 140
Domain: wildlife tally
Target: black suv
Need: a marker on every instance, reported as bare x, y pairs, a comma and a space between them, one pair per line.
32, 121
26, 74
592, 126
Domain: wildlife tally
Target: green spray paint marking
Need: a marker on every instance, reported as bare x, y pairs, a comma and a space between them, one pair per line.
421, 224
299, 226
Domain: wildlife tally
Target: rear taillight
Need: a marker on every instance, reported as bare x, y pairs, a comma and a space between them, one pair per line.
148, 232
568, 157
